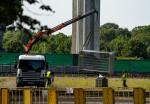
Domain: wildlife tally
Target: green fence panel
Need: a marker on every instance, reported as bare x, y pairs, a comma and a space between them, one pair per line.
8, 59
59, 59
122, 65
52, 59
132, 65
72, 60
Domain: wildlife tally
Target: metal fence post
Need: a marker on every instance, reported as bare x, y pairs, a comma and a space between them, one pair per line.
108, 96
27, 96
0, 96
139, 96
4, 96
52, 97
79, 96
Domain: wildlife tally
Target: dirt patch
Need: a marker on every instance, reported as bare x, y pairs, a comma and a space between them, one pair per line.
8, 82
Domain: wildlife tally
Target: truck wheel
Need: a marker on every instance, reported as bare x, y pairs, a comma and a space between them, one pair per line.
42, 85
17, 83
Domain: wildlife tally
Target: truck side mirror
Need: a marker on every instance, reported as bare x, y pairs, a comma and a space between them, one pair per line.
15, 64
46, 65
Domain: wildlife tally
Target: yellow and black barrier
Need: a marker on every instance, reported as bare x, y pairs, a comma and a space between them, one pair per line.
96, 95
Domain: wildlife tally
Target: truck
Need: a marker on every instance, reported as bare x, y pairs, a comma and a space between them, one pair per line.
31, 69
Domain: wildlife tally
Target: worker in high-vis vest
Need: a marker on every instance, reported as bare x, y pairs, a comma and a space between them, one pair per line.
124, 79
49, 84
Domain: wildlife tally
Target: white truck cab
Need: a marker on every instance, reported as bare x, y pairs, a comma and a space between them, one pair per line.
31, 70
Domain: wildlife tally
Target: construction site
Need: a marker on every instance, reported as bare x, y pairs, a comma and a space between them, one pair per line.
86, 76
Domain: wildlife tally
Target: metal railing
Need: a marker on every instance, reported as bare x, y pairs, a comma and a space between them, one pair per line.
94, 95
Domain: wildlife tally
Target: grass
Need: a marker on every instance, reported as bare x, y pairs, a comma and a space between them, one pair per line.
131, 82
1, 80
90, 82
83, 82
74, 82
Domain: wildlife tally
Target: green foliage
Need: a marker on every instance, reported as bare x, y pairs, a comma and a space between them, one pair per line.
144, 38
8, 36
105, 46
110, 26
14, 46
23, 35
112, 38
124, 42
117, 45
148, 52
108, 37
58, 43
135, 47
12, 10
107, 34
141, 30
123, 32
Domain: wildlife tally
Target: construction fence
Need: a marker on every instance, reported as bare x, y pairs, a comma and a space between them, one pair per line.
52, 59
132, 65
74, 96
68, 60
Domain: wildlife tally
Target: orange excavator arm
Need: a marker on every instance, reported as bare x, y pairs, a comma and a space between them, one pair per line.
48, 32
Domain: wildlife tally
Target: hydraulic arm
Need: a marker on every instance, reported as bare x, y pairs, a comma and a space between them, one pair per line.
56, 28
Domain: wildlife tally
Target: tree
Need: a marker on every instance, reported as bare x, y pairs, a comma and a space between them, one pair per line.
104, 46
144, 38
123, 32
135, 47
12, 11
8, 36
148, 52
67, 45
107, 34
35, 48
14, 46
141, 30
12, 16
117, 45
51, 44
23, 35
58, 43
110, 26
60, 40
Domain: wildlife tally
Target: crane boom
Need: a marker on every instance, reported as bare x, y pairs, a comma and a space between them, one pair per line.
56, 28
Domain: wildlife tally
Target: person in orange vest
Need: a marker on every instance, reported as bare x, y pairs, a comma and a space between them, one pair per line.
124, 79
49, 84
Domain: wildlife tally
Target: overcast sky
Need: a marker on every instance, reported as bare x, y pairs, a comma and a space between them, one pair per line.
125, 13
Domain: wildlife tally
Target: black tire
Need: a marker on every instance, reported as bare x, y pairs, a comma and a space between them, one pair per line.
17, 83
41, 85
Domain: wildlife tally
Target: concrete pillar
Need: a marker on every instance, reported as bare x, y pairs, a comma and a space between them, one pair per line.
74, 11
97, 26
88, 29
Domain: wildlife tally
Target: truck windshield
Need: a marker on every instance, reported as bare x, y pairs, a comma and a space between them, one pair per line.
32, 65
